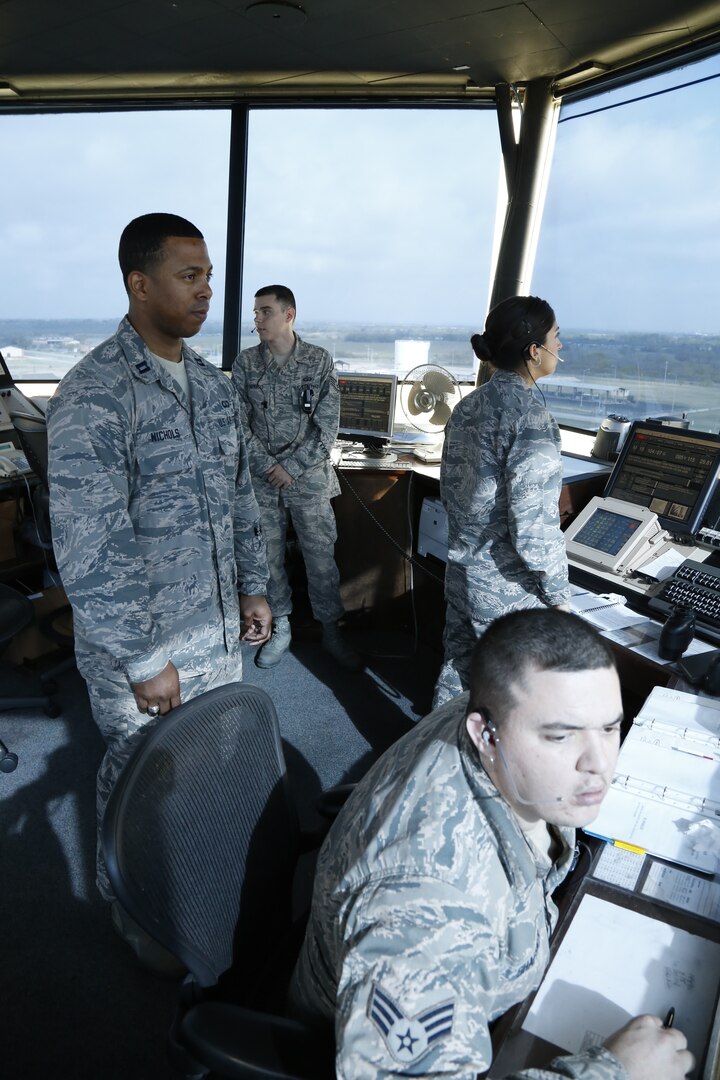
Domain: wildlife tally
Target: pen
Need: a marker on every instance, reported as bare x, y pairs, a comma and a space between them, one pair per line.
620, 844
670, 1018
705, 757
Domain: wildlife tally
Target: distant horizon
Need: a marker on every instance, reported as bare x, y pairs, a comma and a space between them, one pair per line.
215, 326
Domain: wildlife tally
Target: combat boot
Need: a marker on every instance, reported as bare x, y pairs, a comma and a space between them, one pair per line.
332, 642
272, 651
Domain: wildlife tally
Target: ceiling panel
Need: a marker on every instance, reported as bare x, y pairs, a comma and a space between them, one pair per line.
89, 50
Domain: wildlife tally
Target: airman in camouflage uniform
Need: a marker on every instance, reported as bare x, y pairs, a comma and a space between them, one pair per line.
432, 908
500, 482
155, 528
290, 401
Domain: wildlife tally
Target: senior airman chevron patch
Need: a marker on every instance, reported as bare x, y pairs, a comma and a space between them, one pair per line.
408, 1038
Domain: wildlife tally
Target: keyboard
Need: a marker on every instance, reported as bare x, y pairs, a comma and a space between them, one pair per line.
367, 461
698, 586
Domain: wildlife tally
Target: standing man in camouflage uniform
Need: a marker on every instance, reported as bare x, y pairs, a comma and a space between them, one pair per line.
291, 406
155, 525
500, 482
432, 908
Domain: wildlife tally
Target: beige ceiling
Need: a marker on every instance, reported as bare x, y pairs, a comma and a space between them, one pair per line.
90, 50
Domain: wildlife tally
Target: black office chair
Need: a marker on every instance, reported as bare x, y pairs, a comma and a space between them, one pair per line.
31, 430
202, 843
21, 689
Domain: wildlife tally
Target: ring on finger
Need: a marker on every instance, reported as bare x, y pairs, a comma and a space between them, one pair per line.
153, 710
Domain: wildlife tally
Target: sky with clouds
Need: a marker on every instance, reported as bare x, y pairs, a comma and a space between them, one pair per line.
379, 216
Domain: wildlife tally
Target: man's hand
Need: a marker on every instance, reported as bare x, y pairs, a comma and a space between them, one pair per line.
162, 690
650, 1051
278, 477
256, 619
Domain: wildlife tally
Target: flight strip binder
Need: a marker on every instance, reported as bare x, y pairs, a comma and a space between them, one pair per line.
665, 795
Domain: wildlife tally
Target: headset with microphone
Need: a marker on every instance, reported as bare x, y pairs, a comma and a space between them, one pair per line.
558, 358
491, 738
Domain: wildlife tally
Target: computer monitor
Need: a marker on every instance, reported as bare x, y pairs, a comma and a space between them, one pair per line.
672, 471
367, 408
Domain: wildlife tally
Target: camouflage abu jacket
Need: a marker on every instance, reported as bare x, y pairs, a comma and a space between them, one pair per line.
278, 428
500, 482
431, 917
155, 524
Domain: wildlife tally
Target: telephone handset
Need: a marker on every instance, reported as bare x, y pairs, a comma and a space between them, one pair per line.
12, 461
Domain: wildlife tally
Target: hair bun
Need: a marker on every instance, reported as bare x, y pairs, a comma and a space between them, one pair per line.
481, 346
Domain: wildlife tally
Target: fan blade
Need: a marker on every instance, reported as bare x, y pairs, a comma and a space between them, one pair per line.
441, 414
438, 382
414, 408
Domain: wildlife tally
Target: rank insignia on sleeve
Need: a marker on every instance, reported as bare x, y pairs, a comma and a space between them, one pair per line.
409, 1037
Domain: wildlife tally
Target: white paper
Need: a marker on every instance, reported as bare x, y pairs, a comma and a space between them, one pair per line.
643, 638
614, 964
665, 794
619, 867
665, 565
683, 890
606, 611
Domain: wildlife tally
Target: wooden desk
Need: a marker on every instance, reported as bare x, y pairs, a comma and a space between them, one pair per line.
373, 555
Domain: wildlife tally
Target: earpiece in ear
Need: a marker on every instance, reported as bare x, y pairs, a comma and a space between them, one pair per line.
486, 736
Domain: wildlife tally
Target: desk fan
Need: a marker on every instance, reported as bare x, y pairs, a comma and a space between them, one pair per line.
428, 395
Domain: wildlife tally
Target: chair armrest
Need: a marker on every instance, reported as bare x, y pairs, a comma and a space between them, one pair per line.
329, 803
240, 1044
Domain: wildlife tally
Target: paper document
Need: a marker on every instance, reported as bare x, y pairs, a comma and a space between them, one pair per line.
614, 964
606, 611
618, 866
665, 794
609, 614
683, 890
663, 566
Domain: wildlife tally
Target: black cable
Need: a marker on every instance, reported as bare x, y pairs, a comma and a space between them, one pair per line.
535, 384
52, 574
408, 558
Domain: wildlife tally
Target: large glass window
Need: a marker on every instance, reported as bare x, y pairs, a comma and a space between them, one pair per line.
629, 254
70, 184
381, 222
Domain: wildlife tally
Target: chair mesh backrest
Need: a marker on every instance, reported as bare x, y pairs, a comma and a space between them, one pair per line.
199, 834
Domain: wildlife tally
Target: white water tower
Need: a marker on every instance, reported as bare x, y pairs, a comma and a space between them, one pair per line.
410, 354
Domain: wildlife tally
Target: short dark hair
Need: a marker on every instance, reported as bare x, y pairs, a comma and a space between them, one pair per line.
142, 241
539, 639
510, 328
282, 294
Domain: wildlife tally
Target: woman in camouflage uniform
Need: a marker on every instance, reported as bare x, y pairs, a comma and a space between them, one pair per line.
500, 483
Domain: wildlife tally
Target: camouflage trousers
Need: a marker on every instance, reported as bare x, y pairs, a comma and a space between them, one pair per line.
123, 727
315, 527
462, 631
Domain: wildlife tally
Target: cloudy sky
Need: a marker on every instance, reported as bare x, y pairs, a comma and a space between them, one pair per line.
378, 216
